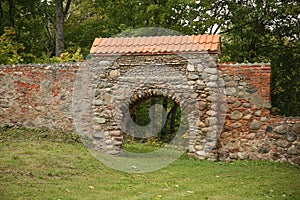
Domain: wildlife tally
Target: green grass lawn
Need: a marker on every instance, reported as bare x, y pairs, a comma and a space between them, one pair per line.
37, 164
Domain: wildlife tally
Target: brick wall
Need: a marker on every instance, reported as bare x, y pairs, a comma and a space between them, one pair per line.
257, 75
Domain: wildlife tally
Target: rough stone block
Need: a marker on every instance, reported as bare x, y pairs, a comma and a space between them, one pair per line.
114, 73
264, 149
236, 115
230, 91
291, 136
190, 68
293, 150
281, 129
254, 125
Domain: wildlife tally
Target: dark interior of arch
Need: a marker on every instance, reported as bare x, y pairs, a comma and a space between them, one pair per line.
166, 114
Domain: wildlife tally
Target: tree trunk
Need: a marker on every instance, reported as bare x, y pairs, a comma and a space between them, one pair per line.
173, 118
2, 18
164, 118
11, 13
59, 29
134, 118
152, 117
50, 44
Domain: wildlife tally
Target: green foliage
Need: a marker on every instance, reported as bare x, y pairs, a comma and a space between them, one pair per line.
11, 51
286, 80
29, 21
85, 22
127, 15
70, 55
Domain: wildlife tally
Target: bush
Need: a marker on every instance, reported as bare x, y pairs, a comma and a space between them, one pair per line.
70, 55
11, 51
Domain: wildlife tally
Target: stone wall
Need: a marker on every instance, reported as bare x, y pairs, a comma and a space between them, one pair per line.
42, 96
37, 95
277, 139
250, 130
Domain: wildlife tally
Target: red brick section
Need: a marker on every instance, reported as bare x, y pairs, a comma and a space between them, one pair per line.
157, 45
37, 92
257, 74
32, 77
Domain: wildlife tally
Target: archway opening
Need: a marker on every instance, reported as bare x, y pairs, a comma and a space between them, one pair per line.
160, 119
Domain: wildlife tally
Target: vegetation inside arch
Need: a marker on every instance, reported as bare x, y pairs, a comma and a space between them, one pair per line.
167, 117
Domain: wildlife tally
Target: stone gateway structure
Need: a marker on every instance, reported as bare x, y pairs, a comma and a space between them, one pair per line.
227, 105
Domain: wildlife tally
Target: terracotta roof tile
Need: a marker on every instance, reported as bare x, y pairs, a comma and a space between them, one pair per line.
157, 44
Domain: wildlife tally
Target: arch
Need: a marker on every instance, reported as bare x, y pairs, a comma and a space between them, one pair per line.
180, 77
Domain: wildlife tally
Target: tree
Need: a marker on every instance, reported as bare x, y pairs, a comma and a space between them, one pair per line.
173, 118
126, 15
85, 21
27, 21
61, 12
268, 31
253, 31
59, 27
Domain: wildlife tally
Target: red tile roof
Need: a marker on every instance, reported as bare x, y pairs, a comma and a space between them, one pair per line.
157, 44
